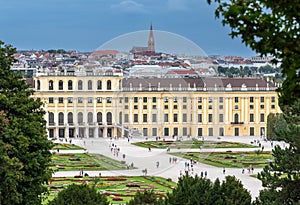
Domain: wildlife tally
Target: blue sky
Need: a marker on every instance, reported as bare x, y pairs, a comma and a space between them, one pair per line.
85, 25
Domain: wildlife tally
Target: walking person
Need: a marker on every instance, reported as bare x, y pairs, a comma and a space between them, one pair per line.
224, 170
157, 164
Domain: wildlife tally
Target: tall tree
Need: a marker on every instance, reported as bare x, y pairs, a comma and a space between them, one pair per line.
201, 191
146, 197
81, 194
275, 123
282, 178
270, 28
273, 28
24, 149
233, 192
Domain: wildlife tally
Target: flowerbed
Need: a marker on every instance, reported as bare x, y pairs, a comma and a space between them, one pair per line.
192, 144
66, 146
229, 159
116, 188
76, 162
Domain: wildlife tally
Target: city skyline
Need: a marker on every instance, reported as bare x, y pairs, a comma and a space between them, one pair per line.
86, 25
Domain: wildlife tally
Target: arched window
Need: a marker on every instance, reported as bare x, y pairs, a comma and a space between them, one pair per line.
50, 85
70, 85
38, 85
80, 118
80, 85
51, 118
99, 118
60, 85
90, 117
109, 118
70, 118
90, 85
99, 85
236, 118
108, 85
61, 118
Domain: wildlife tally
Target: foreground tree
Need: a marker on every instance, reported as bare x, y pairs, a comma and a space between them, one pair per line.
269, 28
282, 178
272, 28
24, 149
275, 123
201, 191
82, 194
145, 198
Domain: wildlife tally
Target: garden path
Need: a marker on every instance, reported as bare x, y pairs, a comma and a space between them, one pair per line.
142, 158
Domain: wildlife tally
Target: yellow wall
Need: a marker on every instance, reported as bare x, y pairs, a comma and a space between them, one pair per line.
234, 103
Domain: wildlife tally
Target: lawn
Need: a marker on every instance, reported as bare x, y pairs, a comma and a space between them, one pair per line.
85, 161
119, 190
229, 159
191, 144
66, 147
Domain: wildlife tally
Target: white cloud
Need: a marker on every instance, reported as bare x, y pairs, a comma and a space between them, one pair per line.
177, 5
129, 6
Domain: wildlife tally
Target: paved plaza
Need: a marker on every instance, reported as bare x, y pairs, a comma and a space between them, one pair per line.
142, 158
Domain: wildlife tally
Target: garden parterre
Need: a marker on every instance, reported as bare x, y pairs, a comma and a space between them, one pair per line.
119, 190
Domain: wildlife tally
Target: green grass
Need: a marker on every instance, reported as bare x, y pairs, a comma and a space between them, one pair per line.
191, 144
115, 186
66, 147
229, 159
75, 162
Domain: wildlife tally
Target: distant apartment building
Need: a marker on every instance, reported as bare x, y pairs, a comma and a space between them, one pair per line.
91, 104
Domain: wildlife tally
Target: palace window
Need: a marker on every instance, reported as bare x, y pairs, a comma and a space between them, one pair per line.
51, 100
108, 85
99, 85
80, 85
60, 85
90, 85
70, 85
99, 99
50, 85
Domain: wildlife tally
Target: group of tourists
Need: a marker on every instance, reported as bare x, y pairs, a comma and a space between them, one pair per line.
115, 150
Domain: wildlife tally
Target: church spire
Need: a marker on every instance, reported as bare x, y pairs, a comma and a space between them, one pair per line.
151, 41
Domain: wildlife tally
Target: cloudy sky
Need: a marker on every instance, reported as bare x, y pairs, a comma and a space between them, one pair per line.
85, 25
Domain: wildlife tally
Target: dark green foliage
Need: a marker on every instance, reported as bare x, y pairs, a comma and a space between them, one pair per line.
233, 192
267, 197
60, 51
145, 198
201, 191
82, 194
275, 124
282, 178
190, 191
24, 149
270, 28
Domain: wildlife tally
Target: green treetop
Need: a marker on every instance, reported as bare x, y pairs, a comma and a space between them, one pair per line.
272, 28
269, 28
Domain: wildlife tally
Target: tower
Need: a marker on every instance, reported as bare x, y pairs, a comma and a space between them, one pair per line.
151, 47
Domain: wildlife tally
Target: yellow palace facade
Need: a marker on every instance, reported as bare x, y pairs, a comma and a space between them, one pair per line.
107, 104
